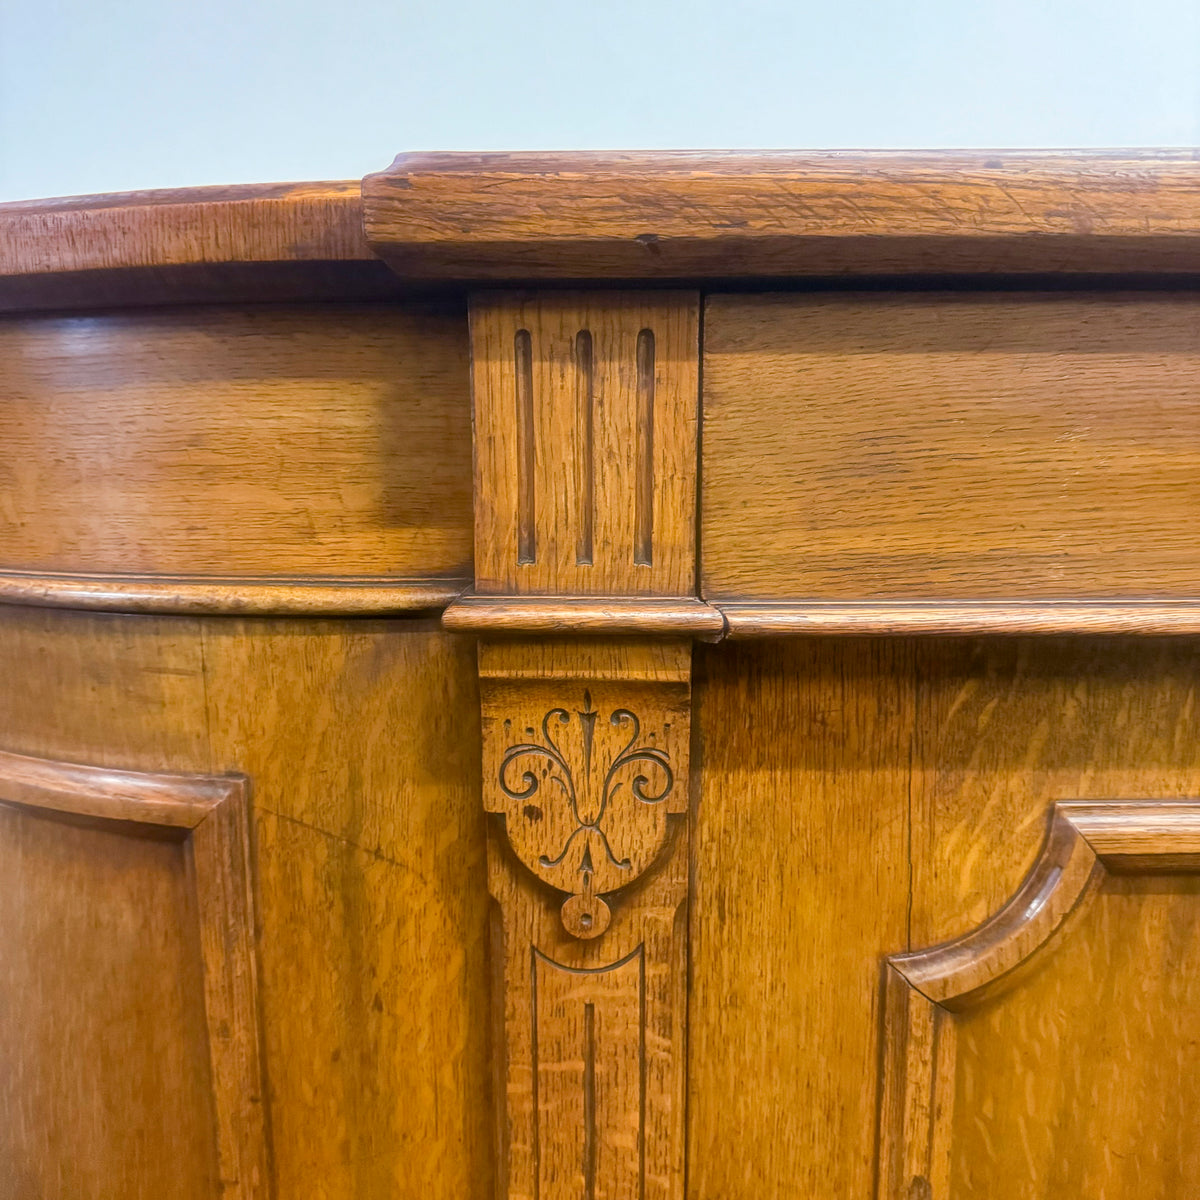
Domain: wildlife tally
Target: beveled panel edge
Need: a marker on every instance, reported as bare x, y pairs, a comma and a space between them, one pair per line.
968, 618
923, 989
584, 616
211, 814
1136, 836
248, 596
964, 967
689, 215
105, 793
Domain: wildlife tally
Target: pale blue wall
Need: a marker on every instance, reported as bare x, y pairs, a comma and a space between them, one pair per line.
99, 95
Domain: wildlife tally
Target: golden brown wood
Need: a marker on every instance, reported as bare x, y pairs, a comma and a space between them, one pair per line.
648, 616
687, 215
361, 739
961, 617
255, 241
900, 447
585, 443
585, 493
105, 1083
1085, 1046
799, 889
347, 595
293, 442
920, 1112
585, 766
786, 934
1011, 726
212, 811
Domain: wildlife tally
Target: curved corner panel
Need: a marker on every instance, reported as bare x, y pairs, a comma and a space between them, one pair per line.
107, 934
972, 1028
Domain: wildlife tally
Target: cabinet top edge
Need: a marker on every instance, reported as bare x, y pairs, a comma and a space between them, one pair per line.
642, 217
706, 215
273, 241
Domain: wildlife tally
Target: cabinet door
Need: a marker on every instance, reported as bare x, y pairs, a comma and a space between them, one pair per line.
129, 1030
946, 920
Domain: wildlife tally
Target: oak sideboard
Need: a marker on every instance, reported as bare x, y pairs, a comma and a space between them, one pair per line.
604, 677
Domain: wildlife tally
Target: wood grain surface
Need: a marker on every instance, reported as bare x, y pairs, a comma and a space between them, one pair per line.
208, 814
294, 442
361, 739
968, 1105
950, 447
959, 618
1009, 726
585, 442
597, 914
647, 616
1083, 1082
106, 1084
691, 215
246, 595
1076, 1078
253, 241
855, 792
799, 889
586, 777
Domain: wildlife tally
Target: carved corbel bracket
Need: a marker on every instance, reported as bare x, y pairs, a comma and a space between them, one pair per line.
585, 751
585, 762
585, 493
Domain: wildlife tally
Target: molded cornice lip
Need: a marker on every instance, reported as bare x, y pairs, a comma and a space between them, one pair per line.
584, 615
711, 215
960, 617
246, 596
466, 612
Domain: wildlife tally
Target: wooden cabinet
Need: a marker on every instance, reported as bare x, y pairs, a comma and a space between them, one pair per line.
637, 678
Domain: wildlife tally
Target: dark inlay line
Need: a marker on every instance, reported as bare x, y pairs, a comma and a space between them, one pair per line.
589, 1101
642, 1076
643, 546
526, 499
585, 482
533, 1057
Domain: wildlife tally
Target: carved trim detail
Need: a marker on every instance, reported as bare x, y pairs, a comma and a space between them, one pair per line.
585, 616
604, 788
586, 770
586, 417
209, 813
606, 989
925, 989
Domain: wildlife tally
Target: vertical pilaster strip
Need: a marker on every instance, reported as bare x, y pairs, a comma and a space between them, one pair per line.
586, 437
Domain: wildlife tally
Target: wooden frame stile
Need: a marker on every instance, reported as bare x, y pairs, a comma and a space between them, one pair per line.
925, 989
209, 814
586, 409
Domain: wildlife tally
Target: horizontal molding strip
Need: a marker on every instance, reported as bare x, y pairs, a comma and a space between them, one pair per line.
246, 596
963, 617
651, 616
465, 612
676, 216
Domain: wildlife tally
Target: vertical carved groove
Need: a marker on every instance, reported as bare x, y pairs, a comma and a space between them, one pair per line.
526, 499
585, 440
643, 549
533, 1059
589, 1101
642, 1072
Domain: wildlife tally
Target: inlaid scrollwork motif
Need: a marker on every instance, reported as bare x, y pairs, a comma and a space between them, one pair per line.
585, 804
